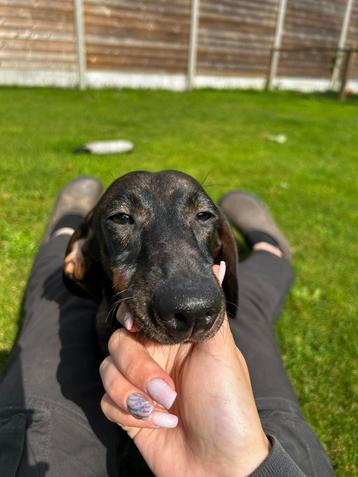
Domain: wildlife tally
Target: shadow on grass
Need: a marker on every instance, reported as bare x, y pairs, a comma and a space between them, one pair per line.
330, 96
4, 356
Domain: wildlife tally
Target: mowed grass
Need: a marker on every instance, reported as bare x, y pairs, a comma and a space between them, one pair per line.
310, 184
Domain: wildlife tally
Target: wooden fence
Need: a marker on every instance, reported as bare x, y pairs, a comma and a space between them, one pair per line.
177, 42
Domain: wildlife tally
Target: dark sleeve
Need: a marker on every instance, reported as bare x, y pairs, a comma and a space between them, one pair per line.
278, 463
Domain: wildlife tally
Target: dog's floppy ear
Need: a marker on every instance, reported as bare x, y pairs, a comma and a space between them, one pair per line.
82, 271
226, 250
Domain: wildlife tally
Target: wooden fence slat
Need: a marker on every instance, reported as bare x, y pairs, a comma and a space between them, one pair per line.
35, 45
10, 64
143, 7
62, 5
27, 23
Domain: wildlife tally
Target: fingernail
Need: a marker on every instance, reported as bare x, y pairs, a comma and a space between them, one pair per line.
128, 321
163, 419
222, 271
139, 406
161, 392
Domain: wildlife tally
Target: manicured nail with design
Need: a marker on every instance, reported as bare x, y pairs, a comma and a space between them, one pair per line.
139, 406
222, 271
161, 392
162, 419
128, 321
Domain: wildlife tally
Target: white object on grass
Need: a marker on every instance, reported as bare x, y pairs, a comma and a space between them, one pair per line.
279, 138
106, 147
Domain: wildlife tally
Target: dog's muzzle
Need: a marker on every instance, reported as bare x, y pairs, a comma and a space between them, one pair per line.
187, 311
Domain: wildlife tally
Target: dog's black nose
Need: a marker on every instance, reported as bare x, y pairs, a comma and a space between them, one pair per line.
189, 311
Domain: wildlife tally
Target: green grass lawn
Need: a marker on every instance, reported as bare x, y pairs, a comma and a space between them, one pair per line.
310, 184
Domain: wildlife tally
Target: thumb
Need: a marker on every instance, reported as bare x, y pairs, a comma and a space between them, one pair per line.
223, 339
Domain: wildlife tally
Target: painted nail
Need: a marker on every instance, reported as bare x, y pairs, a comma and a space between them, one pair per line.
139, 406
128, 321
162, 419
161, 392
222, 271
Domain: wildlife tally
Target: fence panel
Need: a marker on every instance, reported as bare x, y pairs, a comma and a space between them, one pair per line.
37, 35
352, 38
138, 36
309, 24
235, 37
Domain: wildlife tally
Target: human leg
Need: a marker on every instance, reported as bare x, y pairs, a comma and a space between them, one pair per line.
264, 281
50, 417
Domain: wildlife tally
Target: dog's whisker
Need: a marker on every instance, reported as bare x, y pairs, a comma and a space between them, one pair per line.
231, 303
112, 309
204, 180
118, 293
115, 306
217, 184
126, 298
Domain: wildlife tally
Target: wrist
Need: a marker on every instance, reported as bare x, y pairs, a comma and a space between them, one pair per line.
248, 458
254, 456
243, 462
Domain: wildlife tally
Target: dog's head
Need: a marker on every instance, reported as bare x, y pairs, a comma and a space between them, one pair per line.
152, 240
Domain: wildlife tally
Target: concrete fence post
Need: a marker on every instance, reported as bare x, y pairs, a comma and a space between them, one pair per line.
277, 45
80, 43
345, 73
336, 73
193, 43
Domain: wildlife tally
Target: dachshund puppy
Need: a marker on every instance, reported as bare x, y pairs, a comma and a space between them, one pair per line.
151, 241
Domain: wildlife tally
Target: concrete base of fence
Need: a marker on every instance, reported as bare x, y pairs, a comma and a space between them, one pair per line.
62, 79
302, 84
110, 79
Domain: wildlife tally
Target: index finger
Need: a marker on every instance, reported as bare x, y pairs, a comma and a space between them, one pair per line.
133, 360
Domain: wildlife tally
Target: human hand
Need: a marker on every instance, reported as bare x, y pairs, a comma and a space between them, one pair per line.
213, 427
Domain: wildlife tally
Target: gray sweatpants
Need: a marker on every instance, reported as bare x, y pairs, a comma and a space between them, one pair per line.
50, 418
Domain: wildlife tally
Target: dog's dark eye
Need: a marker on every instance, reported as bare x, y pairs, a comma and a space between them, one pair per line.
204, 216
122, 219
